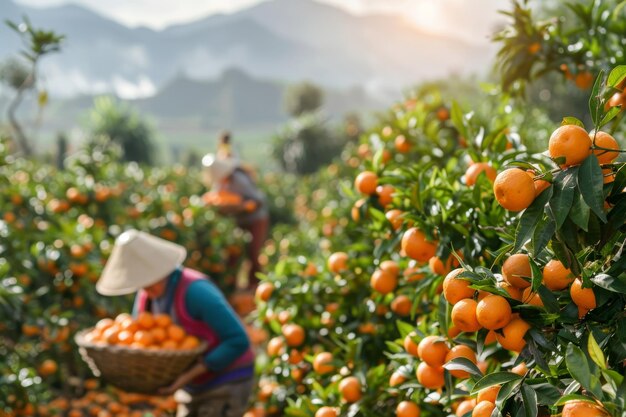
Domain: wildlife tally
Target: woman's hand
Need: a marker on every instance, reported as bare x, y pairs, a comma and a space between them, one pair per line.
184, 379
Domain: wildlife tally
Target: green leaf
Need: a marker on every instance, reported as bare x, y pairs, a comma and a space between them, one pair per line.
590, 184
610, 283
529, 398
463, 364
616, 76
537, 276
610, 115
404, 328
561, 202
496, 378
594, 99
570, 120
579, 213
530, 218
543, 233
578, 366
595, 353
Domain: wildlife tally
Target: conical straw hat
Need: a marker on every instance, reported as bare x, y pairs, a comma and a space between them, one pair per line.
138, 260
219, 168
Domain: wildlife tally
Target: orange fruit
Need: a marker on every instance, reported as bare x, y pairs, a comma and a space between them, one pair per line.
366, 182
466, 406
394, 217
577, 408
617, 99
175, 332
47, 367
443, 114
189, 342
437, 266
464, 315
493, 312
432, 350
531, 298
460, 351
555, 276
483, 409
104, 324
162, 320
409, 345
514, 292
338, 262
605, 140
264, 291
512, 337
143, 338
582, 297
429, 376
401, 305
456, 289
355, 213
515, 268
322, 364
145, 320
514, 189
275, 346
110, 335
474, 170
488, 394
572, 142
326, 412
584, 80
385, 194
396, 379
402, 144
350, 389
520, 369
383, 282
415, 245
391, 267
294, 334
407, 409
125, 337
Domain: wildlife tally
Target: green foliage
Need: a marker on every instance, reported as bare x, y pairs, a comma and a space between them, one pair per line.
303, 98
124, 126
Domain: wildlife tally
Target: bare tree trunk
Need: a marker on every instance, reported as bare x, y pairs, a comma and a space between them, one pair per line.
22, 140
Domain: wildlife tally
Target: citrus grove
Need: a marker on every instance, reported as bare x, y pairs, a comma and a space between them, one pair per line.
464, 258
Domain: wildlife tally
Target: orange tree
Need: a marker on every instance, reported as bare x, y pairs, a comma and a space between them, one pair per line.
515, 328
58, 228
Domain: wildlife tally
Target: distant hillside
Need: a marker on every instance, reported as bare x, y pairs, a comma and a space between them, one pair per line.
287, 40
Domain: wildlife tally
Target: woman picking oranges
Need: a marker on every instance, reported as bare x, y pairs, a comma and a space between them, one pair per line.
223, 378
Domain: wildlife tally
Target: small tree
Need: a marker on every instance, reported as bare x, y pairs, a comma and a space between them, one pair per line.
23, 76
303, 98
123, 125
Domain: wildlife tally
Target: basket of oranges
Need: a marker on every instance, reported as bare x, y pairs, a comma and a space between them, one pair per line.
141, 354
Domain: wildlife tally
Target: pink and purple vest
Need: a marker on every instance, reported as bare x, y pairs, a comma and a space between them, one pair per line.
241, 368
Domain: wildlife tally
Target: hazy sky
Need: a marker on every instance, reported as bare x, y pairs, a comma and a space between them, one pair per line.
469, 19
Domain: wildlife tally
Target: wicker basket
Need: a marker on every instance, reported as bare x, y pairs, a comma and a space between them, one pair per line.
136, 370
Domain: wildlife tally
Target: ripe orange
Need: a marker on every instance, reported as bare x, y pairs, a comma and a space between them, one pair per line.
464, 315
401, 305
432, 350
488, 394
605, 140
443, 114
577, 408
264, 291
294, 334
383, 282
143, 338
483, 409
326, 412
162, 320
402, 144
512, 337
514, 189
514, 292
460, 351
456, 289
338, 262
275, 346
429, 376
175, 332
465, 407
366, 182
125, 337
350, 389
391, 267
355, 213
415, 245
582, 297
515, 268
520, 369
437, 266
474, 170
555, 276
145, 320
385, 194
394, 217
47, 367
572, 142
104, 324
493, 312
617, 99
189, 342
110, 335
396, 379
407, 409
322, 364
409, 345
531, 298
